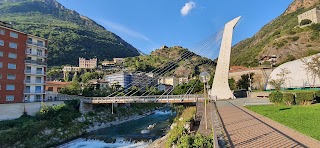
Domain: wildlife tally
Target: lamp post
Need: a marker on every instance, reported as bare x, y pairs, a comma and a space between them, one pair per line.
204, 78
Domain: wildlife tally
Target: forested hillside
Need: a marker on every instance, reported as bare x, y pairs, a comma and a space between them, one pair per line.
70, 34
186, 63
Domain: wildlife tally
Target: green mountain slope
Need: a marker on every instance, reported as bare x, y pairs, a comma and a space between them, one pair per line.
187, 64
281, 37
70, 34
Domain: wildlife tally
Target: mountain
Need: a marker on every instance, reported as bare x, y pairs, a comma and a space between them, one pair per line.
70, 34
281, 37
181, 61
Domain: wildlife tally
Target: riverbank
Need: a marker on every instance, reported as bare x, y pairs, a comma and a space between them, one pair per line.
54, 125
128, 134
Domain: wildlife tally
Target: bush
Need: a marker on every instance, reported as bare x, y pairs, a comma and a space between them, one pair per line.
276, 97
288, 98
304, 98
317, 95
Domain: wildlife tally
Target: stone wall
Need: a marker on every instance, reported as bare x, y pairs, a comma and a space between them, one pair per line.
14, 111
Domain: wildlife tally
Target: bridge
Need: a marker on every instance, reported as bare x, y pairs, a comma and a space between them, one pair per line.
189, 98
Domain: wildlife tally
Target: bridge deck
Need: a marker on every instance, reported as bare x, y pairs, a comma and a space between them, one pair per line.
146, 99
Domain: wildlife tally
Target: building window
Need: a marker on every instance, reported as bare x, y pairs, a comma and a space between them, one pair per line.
11, 77
13, 45
38, 80
10, 87
40, 43
13, 35
50, 88
29, 41
1, 43
2, 31
39, 70
12, 66
0, 76
38, 89
10, 98
1, 53
0, 64
12, 55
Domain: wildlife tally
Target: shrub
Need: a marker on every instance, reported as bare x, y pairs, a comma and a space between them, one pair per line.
304, 98
276, 97
317, 95
288, 98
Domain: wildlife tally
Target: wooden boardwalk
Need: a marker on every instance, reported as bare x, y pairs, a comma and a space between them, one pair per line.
248, 129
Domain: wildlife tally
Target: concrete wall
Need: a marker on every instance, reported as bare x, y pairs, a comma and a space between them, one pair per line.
313, 15
14, 111
259, 78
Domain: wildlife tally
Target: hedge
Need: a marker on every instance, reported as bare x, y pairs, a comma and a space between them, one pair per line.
276, 97
304, 98
288, 98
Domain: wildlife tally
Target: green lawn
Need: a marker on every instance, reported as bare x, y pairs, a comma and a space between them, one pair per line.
305, 119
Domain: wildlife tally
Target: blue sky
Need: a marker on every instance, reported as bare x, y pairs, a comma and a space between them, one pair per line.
149, 24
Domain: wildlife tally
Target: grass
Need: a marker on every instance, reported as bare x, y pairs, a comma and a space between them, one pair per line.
304, 119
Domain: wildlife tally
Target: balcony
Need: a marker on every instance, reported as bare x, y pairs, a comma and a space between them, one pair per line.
33, 82
30, 43
28, 52
34, 72
36, 62
34, 92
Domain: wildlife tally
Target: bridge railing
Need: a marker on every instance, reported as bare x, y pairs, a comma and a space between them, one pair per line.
154, 98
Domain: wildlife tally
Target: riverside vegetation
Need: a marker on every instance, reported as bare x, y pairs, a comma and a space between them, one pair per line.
56, 124
180, 136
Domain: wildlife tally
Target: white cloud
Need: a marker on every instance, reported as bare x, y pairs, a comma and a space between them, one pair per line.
187, 8
125, 30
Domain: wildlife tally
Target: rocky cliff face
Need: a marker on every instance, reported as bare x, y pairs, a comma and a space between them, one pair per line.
297, 4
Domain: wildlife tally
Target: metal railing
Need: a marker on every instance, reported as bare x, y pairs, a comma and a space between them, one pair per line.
35, 54
146, 99
36, 44
34, 91
36, 62
32, 72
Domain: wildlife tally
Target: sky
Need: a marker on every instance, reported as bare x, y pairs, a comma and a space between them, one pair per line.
150, 24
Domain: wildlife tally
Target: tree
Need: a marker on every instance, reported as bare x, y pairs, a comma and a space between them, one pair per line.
305, 22
313, 67
232, 84
277, 83
244, 82
66, 76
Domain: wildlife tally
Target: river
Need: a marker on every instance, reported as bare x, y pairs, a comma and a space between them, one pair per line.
136, 133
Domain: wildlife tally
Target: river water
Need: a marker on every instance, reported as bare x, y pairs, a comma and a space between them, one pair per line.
136, 133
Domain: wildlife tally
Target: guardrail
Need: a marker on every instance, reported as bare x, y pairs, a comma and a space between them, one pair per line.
146, 99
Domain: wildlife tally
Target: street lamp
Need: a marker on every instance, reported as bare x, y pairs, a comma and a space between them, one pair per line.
204, 78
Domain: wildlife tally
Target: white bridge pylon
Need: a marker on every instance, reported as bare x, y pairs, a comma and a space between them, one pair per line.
220, 86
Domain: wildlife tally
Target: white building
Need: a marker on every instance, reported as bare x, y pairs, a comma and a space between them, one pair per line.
298, 77
35, 70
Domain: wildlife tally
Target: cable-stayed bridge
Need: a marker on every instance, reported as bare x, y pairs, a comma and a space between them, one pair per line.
208, 48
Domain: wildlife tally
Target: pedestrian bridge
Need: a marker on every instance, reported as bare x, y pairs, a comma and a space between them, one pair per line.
188, 98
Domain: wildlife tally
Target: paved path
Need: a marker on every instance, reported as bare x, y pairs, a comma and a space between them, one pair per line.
248, 129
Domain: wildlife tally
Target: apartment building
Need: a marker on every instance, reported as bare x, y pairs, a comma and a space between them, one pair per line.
23, 62
88, 64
